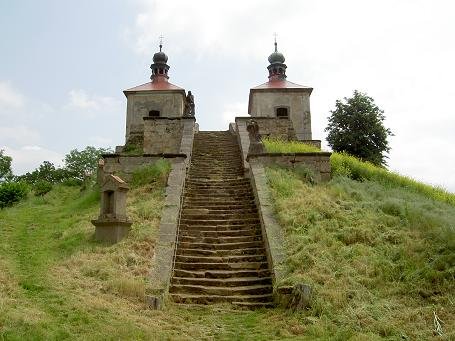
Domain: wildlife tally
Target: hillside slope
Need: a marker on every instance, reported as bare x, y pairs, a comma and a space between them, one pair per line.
380, 261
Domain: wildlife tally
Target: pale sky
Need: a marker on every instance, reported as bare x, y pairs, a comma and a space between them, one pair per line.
64, 64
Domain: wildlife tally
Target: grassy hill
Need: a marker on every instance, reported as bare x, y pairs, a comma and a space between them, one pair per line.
379, 255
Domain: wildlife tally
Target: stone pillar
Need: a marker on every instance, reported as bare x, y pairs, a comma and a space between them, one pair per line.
112, 224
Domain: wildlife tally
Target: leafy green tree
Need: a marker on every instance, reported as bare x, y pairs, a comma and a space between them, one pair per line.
356, 127
5, 166
45, 172
85, 162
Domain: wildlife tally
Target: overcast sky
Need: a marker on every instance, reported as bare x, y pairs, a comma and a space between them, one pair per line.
64, 64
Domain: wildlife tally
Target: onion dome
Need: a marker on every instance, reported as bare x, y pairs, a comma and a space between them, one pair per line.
159, 66
277, 68
276, 57
160, 57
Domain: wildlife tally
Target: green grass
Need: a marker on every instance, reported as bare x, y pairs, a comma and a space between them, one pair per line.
57, 283
349, 166
153, 173
283, 146
380, 259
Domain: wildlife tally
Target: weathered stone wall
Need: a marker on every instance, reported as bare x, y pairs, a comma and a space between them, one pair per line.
274, 127
169, 103
319, 163
264, 104
167, 238
125, 165
271, 230
243, 139
162, 135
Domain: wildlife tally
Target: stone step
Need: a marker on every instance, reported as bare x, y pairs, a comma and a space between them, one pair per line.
221, 246
223, 233
220, 222
207, 195
220, 206
221, 266
219, 239
221, 253
214, 215
192, 213
254, 305
226, 202
221, 273
213, 182
218, 188
221, 291
223, 282
225, 192
209, 299
205, 211
224, 259
217, 228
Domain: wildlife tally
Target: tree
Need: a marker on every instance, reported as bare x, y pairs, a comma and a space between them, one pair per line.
5, 166
356, 127
45, 172
85, 162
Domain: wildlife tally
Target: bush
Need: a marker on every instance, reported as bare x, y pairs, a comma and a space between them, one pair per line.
12, 192
42, 187
154, 173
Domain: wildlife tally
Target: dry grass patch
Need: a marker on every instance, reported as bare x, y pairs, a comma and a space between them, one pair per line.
374, 255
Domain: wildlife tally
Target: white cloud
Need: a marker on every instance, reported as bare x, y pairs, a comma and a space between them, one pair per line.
29, 157
89, 104
101, 141
10, 98
18, 135
233, 110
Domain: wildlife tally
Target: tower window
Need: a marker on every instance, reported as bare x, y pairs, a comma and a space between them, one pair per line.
154, 113
282, 112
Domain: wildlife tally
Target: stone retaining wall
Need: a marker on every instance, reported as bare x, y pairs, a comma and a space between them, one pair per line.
162, 263
319, 163
164, 135
274, 127
271, 230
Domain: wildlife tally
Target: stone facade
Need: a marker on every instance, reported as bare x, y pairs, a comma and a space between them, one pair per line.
273, 127
265, 102
140, 105
162, 135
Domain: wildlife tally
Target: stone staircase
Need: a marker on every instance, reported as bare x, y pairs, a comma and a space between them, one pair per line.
220, 253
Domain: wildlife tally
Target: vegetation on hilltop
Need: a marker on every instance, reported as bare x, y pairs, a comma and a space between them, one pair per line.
356, 127
345, 165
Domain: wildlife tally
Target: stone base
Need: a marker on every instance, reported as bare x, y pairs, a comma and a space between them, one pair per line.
111, 231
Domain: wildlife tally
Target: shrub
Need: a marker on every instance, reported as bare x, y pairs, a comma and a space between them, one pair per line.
42, 187
154, 173
12, 192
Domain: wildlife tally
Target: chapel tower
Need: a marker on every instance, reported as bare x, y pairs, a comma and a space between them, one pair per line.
158, 98
283, 99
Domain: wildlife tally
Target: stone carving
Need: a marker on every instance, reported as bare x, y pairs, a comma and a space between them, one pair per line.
189, 105
256, 146
112, 224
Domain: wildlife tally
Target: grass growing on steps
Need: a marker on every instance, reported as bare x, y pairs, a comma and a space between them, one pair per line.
349, 166
380, 259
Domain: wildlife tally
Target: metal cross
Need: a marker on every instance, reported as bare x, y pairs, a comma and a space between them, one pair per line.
161, 41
